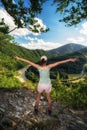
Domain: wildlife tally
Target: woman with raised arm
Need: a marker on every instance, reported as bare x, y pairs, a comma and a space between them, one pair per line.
45, 81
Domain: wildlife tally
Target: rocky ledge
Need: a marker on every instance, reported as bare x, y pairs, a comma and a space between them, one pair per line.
16, 113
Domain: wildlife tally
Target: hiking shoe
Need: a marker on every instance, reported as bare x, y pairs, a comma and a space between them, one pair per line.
49, 111
36, 110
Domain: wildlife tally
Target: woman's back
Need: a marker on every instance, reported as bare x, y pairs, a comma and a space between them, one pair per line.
44, 75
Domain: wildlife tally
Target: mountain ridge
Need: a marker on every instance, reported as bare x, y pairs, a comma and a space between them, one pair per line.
66, 49
8, 51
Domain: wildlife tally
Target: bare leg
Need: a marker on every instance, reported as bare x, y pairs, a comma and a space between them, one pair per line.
38, 100
49, 100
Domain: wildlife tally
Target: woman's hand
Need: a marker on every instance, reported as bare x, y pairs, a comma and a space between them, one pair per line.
73, 59
17, 58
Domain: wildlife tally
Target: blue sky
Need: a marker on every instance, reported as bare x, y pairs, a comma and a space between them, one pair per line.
57, 36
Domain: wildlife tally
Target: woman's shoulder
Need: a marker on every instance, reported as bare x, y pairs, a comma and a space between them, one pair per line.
46, 67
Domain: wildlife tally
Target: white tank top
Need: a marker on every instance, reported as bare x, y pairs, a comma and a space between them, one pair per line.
44, 76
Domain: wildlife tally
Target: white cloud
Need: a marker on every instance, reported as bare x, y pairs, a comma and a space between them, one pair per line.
79, 36
84, 29
19, 31
35, 43
76, 40
39, 22
29, 38
8, 19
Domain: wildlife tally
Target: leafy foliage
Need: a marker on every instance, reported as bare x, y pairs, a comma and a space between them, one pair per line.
63, 69
75, 94
73, 12
75, 67
8, 51
8, 64
71, 93
24, 16
7, 80
3, 27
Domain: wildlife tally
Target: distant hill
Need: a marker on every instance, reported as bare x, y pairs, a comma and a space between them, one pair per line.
9, 65
66, 49
71, 67
63, 69
83, 50
8, 51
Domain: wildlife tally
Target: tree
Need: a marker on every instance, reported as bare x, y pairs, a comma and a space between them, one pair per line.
4, 30
3, 27
73, 12
24, 16
5, 38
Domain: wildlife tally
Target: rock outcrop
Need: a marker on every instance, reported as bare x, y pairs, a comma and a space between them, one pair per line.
16, 113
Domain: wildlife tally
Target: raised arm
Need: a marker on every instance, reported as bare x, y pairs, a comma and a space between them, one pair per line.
29, 62
61, 62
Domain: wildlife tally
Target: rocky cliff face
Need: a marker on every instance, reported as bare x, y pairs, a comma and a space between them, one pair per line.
16, 113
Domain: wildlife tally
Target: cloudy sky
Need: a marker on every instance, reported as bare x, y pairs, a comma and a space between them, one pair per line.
57, 36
